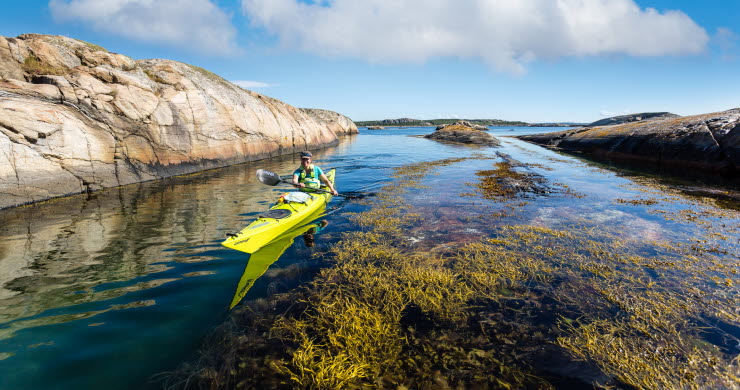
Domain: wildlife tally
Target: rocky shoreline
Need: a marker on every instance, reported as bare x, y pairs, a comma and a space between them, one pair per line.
76, 118
707, 144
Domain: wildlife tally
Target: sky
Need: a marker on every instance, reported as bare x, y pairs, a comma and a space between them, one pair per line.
523, 60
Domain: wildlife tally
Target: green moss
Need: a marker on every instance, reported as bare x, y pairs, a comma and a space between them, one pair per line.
35, 66
459, 128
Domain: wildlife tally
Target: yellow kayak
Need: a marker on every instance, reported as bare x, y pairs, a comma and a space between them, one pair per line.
291, 209
263, 258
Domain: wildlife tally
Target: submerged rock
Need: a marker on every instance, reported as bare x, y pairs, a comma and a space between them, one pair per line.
463, 134
700, 144
75, 117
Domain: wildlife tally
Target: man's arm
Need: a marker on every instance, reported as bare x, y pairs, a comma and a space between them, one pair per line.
296, 183
328, 184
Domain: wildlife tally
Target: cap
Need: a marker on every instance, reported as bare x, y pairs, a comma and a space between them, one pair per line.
306, 155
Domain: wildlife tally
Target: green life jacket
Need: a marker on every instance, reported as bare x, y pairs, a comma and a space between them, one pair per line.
312, 181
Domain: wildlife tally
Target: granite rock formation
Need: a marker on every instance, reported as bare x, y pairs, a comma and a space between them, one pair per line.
338, 123
75, 117
707, 144
463, 123
463, 134
618, 120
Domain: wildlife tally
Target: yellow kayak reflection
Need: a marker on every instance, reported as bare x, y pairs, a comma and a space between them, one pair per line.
263, 258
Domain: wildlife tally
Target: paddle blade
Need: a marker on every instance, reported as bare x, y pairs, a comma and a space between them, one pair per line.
267, 177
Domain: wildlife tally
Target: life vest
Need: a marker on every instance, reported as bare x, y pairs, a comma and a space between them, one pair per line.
312, 181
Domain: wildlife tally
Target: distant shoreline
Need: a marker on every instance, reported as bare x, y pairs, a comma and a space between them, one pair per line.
407, 122
381, 127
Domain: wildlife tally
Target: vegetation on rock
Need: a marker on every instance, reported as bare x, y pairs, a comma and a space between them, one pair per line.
463, 134
34, 66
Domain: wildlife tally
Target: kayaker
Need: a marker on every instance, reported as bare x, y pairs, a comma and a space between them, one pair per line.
311, 176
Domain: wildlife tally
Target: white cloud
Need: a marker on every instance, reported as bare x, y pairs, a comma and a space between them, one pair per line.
251, 84
727, 41
506, 34
198, 25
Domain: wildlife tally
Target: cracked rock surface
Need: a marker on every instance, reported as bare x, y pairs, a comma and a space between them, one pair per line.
701, 144
75, 118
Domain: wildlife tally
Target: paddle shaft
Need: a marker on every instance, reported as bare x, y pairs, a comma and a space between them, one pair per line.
318, 190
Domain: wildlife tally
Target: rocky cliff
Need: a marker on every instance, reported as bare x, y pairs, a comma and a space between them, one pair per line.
338, 123
76, 118
707, 144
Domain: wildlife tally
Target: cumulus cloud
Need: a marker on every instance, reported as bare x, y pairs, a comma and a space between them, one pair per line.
726, 40
192, 24
506, 34
251, 84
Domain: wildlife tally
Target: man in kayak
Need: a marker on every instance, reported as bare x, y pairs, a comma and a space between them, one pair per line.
311, 176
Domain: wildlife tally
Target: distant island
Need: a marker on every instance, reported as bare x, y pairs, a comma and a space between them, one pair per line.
437, 122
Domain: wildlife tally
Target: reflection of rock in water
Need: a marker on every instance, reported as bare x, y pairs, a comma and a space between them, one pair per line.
55, 254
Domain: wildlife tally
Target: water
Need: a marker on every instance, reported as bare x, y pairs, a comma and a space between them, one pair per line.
109, 289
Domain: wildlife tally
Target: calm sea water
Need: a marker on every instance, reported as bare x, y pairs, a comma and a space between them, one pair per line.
106, 290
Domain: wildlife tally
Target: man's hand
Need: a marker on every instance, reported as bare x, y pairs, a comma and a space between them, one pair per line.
334, 192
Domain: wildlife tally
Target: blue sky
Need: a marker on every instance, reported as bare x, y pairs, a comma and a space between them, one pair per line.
529, 60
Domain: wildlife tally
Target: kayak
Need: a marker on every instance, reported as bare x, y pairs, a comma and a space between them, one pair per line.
263, 258
291, 209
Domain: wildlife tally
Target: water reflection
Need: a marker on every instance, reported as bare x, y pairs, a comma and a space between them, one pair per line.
263, 258
71, 265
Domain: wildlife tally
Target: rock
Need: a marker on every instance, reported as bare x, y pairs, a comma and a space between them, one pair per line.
376, 127
463, 134
340, 124
75, 117
707, 144
399, 121
463, 123
617, 120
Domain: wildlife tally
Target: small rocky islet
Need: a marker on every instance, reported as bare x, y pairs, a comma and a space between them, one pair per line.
463, 132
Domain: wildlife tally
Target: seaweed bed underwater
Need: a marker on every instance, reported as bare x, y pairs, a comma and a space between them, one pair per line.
491, 302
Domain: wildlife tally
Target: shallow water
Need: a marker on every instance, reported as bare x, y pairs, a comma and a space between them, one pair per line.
109, 289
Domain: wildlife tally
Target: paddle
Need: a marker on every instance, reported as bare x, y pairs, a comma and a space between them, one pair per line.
273, 179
